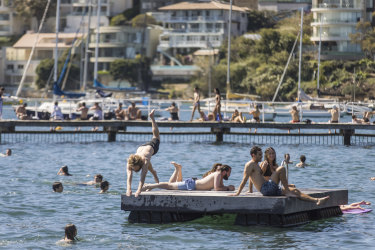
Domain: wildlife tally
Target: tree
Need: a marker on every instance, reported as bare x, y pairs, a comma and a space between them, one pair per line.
43, 72
259, 19
34, 8
366, 38
125, 69
118, 20
143, 20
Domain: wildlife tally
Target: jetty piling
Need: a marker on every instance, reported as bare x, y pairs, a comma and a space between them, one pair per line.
268, 132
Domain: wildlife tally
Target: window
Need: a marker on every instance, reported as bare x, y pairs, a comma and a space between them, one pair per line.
20, 66
10, 67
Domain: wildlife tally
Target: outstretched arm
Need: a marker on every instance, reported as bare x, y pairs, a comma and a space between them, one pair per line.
143, 178
243, 183
129, 182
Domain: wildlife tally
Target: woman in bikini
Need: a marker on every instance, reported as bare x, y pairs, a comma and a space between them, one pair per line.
217, 110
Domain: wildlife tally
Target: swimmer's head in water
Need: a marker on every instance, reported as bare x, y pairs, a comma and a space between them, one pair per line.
98, 178
104, 186
65, 169
135, 162
57, 187
70, 232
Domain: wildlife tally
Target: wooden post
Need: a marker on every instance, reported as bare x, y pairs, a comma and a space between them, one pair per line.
347, 133
112, 136
219, 133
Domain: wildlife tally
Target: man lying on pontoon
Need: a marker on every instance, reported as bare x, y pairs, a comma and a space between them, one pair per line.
211, 181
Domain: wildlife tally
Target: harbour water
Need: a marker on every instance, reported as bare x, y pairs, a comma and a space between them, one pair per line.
33, 217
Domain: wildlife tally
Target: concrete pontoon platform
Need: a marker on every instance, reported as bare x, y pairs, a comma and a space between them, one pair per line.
167, 206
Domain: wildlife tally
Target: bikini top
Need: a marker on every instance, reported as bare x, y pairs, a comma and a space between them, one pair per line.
268, 171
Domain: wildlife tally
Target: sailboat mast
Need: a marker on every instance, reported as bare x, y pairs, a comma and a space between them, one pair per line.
229, 36
56, 56
87, 47
300, 57
319, 51
97, 40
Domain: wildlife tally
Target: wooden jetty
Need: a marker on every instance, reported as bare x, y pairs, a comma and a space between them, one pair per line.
217, 131
166, 206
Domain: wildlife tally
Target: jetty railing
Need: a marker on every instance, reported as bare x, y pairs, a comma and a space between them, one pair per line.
272, 132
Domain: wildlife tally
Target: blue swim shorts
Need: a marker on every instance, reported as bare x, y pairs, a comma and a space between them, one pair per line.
270, 188
188, 184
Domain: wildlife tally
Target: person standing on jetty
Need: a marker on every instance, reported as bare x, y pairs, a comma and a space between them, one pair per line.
196, 103
295, 117
271, 187
214, 180
217, 109
1, 101
141, 160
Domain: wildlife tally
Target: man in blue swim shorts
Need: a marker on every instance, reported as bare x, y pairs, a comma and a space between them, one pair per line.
212, 181
141, 160
271, 187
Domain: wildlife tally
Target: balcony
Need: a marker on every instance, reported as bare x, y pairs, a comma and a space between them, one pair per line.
187, 44
195, 19
331, 37
326, 22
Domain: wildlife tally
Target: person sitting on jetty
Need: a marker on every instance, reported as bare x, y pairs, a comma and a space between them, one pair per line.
196, 103
141, 160
368, 115
8, 152
268, 166
56, 113
98, 178
206, 118
21, 112
120, 113
98, 114
360, 121
212, 181
334, 115
64, 171
70, 233
134, 113
57, 187
271, 188
302, 162
237, 117
173, 110
84, 111
355, 205
104, 186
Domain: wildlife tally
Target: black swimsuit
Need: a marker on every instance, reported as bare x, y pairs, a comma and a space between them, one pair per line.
154, 143
174, 116
268, 171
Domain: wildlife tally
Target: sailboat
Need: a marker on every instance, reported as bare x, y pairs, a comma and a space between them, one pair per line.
308, 106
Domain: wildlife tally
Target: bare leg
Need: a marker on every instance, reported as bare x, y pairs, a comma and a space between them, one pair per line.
161, 185
192, 113
177, 174
155, 129
280, 175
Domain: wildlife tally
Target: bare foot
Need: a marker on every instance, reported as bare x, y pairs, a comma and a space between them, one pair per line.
322, 200
176, 165
364, 203
151, 115
145, 188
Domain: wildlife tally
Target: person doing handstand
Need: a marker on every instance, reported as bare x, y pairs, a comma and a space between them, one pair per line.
213, 180
141, 160
271, 187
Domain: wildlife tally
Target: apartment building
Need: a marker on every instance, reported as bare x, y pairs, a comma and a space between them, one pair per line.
72, 11
124, 42
283, 5
10, 23
189, 26
334, 21
16, 57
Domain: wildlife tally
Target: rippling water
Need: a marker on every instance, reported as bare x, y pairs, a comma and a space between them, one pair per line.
34, 217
